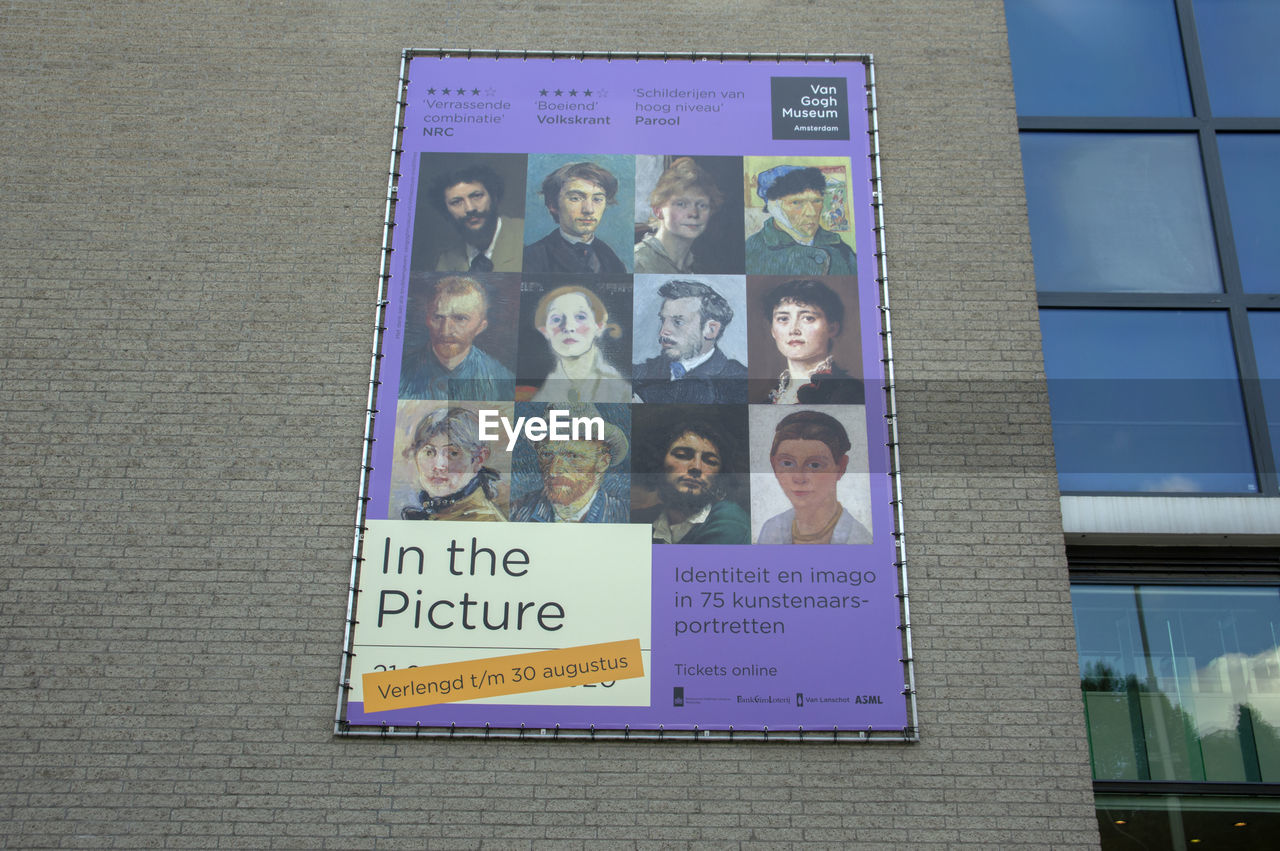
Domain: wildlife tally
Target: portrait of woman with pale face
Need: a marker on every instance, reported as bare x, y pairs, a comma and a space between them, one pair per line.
573, 320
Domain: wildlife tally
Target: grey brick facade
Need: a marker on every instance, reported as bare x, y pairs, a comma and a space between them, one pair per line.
190, 224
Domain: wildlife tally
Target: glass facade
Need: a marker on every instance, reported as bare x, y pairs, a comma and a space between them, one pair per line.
1151, 156
1119, 212
1151, 196
1131, 413
1180, 682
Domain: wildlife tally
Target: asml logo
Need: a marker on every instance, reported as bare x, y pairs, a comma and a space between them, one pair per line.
557, 425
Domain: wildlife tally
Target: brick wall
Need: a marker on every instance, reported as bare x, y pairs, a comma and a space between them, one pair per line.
190, 222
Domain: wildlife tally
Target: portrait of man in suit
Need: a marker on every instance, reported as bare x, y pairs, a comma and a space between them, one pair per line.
690, 366
576, 196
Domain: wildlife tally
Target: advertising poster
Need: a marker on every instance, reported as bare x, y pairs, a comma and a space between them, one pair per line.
629, 467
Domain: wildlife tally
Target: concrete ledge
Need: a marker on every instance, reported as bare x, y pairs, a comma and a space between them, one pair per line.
1217, 520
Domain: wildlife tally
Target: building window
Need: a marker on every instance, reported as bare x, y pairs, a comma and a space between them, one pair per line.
1097, 57
1135, 822
1180, 682
1119, 212
1251, 171
1151, 156
1131, 413
1265, 328
1241, 63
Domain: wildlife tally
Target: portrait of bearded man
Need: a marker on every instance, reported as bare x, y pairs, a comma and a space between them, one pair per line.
483, 241
569, 481
792, 241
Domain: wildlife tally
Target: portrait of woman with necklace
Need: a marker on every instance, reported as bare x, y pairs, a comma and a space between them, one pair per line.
809, 456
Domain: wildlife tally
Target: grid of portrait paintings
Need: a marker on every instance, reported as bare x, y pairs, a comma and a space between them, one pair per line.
700, 311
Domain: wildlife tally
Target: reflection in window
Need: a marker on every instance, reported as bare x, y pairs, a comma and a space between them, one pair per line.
1096, 57
1180, 683
1241, 62
1264, 327
1251, 168
1119, 212
1146, 401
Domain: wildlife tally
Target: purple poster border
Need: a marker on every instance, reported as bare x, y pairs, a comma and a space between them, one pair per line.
838, 678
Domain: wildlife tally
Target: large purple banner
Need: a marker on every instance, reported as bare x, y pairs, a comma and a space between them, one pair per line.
629, 465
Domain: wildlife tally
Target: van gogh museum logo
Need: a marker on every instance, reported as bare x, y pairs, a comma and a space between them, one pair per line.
810, 107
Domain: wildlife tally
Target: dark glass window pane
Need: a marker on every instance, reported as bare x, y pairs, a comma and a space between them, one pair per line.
1238, 40
1096, 57
1264, 327
1251, 167
1180, 683
1139, 822
1119, 212
1146, 401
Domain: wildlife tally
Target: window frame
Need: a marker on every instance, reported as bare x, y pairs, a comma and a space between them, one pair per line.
1233, 299
1175, 567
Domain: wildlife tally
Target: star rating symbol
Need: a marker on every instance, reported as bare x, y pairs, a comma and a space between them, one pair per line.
475, 91
573, 93
603, 93
431, 91
444, 91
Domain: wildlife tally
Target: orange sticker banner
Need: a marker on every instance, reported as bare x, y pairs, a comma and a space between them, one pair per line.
499, 675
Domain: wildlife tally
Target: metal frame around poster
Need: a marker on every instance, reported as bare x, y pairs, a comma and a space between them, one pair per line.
908, 733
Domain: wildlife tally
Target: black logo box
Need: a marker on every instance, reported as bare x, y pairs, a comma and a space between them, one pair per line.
810, 107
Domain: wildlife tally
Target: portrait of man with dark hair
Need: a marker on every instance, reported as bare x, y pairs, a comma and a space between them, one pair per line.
468, 199
470, 213
693, 464
690, 366
576, 196
792, 240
